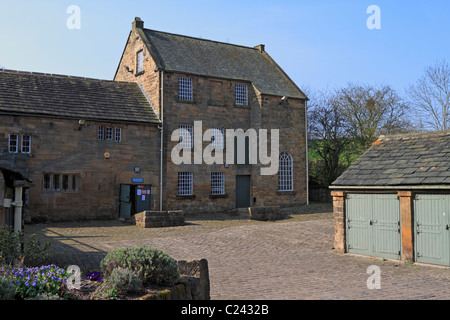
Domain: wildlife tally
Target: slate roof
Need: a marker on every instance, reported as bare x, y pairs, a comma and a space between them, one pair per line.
42, 94
186, 54
402, 160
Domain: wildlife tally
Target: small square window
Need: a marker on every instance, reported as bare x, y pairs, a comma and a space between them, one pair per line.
184, 89
140, 62
13, 143
241, 94
185, 183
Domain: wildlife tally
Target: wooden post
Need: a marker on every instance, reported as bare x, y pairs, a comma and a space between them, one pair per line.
407, 224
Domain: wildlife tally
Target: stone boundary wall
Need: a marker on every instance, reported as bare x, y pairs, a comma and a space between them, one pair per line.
157, 219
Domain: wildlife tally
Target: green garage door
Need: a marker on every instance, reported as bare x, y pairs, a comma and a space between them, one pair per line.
432, 223
373, 225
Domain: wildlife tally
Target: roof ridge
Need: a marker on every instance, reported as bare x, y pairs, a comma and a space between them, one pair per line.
202, 39
56, 75
413, 135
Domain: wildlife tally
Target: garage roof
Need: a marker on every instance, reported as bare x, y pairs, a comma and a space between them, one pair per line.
402, 160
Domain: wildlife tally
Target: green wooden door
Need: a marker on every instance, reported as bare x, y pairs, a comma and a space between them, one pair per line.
124, 201
432, 234
373, 225
242, 191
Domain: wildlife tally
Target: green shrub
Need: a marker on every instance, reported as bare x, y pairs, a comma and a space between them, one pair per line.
151, 265
14, 246
123, 281
7, 290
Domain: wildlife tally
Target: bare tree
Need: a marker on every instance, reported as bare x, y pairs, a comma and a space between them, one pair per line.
431, 95
372, 111
328, 134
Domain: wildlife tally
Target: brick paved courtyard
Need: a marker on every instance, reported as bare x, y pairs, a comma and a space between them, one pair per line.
288, 259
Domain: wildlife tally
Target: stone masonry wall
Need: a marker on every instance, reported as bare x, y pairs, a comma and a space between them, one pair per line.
60, 146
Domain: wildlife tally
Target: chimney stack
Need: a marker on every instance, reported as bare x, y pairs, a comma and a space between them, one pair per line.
260, 47
137, 23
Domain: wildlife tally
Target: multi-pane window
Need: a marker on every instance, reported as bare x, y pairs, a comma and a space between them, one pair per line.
13, 143
185, 183
185, 89
60, 182
140, 61
26, 144
186, 136
118, 134
101, 133
109, 134
241, 94
285, 173
217, 138
217, 183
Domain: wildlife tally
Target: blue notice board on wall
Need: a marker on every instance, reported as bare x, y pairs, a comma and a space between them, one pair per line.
137, 180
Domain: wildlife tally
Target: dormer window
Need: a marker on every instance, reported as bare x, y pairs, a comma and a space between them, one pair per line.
140, 62
184, 89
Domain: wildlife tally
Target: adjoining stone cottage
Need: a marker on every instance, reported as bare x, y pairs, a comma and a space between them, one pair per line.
394, 201
98, 149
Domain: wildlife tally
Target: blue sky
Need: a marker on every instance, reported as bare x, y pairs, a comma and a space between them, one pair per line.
320, 44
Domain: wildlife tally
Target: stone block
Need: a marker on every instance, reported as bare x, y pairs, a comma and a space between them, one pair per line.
157, 219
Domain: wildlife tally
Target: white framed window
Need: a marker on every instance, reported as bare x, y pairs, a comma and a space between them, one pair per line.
109, 133
185, 89
186, 137
140, 61
185, 183
217, 138
217, 183
101, 133
285, 172
118, 134
26, 143
241, 94
13, 143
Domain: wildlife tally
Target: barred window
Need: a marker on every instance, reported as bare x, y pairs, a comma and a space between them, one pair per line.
285, 173
109, 134
118, 136
101, 133
241, 94
140, 61
13, 143
217, 138
185, 183
186, 136
26, 144
217, 183
184, 89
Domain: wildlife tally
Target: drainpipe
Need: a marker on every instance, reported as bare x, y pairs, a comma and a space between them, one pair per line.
306, 140
162, 141
18, 204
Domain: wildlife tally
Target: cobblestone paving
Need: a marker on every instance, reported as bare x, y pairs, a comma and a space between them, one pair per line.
288, 259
